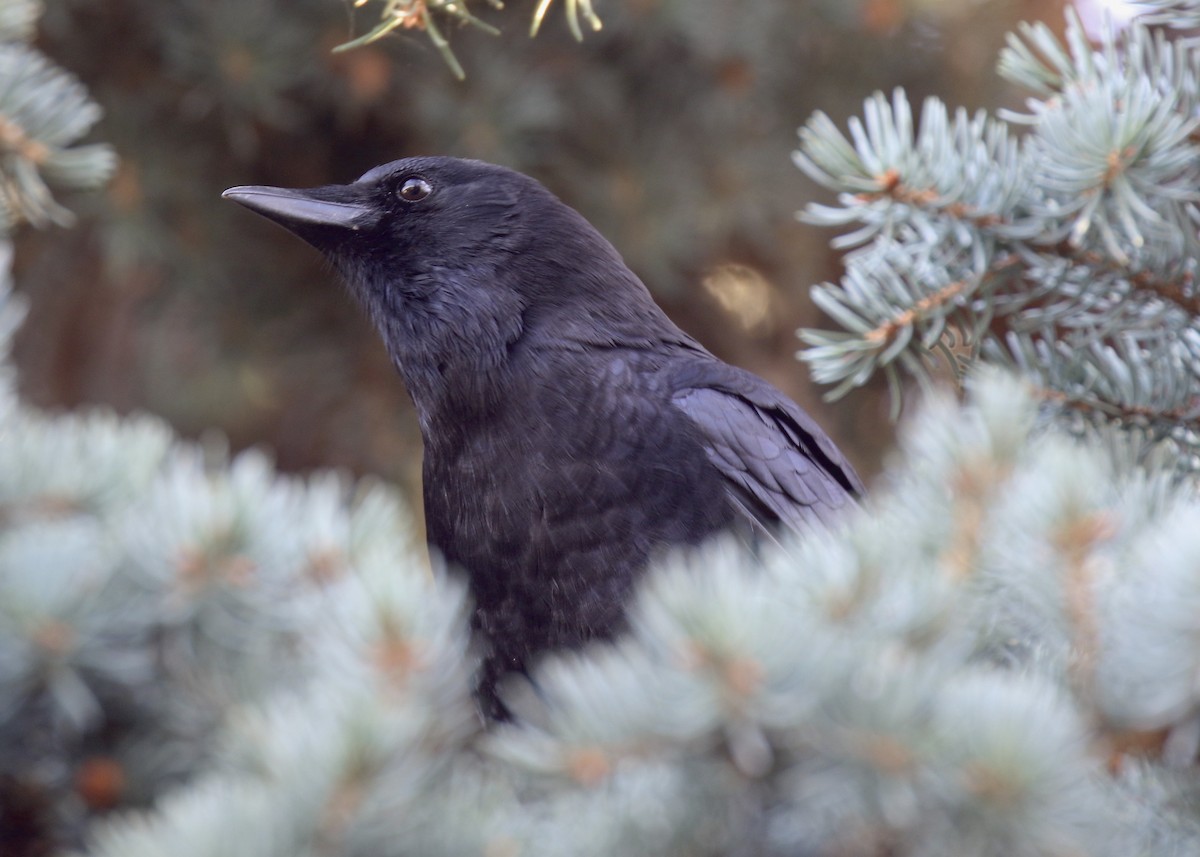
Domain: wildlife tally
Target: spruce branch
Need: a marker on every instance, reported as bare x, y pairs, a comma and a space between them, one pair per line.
43, 113
843, 689
1179, 14
422, 15
425, 14
1068, 252
1176, 287
574, 9
18, 18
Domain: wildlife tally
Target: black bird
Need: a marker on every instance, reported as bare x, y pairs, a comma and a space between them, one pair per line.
571, 430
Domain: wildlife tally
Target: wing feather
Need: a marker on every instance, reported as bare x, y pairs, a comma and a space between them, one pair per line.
781, 468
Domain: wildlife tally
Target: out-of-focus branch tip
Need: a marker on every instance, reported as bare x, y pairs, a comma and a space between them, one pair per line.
574, 8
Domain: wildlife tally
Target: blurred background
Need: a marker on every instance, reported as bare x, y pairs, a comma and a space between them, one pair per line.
671, 130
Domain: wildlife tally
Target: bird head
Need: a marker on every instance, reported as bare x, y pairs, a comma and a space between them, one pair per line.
407, 235
457, 261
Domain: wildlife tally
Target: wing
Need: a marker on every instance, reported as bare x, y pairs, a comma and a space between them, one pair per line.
780, 467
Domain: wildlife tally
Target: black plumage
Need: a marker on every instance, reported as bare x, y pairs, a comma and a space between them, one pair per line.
571, 430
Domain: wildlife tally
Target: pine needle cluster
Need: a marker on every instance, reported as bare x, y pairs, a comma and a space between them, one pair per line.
44, 111
425, 14
1060, 241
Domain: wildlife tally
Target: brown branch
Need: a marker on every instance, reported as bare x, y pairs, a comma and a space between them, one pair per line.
1181, 292
13, 137
1077, 539
892, 187
1170, 291
1117, 410
888, 329
1001, 326
1117, 162
973, 484
884, 332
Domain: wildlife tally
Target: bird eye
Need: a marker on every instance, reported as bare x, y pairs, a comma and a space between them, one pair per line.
414, 189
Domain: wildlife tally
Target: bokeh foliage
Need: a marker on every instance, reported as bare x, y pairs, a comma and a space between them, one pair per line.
1059, 240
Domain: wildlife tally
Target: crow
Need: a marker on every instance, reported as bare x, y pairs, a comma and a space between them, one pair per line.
571, 431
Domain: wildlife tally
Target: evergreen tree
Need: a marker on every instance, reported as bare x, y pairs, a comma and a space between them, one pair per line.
997, 656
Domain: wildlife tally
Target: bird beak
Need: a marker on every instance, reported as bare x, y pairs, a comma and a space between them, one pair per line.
298, 209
